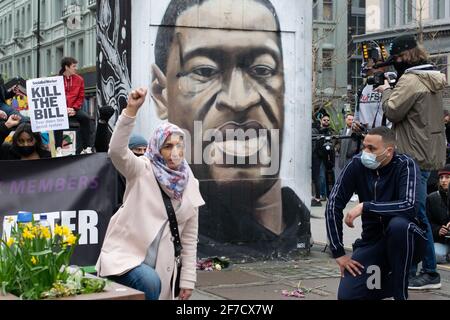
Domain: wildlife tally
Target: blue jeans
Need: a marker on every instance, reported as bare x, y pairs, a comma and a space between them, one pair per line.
442, 251
10, 110
429, 259
143, 278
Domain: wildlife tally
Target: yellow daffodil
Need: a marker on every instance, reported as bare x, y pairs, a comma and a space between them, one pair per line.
10, 242
66, 231
28, 235
70, 240
45, 233
34, 260
58, 230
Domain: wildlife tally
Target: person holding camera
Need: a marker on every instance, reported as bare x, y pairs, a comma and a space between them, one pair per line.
438, 215
414, 106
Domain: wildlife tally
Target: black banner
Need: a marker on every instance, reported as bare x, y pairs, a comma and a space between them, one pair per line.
80, 192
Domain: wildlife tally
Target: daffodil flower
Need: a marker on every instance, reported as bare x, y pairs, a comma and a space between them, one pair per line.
34, 260
10, 242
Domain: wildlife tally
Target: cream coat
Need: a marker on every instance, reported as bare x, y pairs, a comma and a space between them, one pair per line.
136, 224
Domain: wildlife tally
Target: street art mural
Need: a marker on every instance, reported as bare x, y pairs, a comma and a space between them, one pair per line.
113, 54
234, 75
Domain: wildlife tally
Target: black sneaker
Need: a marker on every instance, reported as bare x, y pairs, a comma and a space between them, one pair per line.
425, 281
316, 203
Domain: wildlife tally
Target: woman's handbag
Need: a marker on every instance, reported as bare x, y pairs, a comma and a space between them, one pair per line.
173, 224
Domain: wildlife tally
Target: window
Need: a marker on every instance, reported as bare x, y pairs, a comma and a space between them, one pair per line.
327, 10
58, 10
48, 62
72, 49
392, 13
407, 11
29, 67
59, 54
29, 18
327, 59
439, 9
315, 9
80, 56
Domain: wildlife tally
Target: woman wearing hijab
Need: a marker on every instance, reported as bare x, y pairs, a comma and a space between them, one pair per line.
138, 251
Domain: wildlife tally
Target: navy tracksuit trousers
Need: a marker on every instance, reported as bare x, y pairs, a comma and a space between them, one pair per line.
401, 244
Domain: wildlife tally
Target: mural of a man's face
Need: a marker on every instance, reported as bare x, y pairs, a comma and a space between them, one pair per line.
228, 79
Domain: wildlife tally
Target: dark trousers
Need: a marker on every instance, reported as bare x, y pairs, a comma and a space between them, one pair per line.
315, 175
401, 244
85, 130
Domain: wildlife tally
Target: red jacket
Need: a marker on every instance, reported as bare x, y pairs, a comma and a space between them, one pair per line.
74, 87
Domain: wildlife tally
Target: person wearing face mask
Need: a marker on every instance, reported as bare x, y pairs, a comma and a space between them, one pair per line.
391, 239
415, 108
438, 215
26, 145
139, 249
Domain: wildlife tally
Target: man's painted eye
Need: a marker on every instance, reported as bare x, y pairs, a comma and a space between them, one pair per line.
262, 71
205, 71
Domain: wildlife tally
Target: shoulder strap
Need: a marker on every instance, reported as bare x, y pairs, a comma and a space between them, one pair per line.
173, 224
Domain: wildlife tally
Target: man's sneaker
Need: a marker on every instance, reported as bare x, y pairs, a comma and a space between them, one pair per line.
316, 203
425, 281
88, 150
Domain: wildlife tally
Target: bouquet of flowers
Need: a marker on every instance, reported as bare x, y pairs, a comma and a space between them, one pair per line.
34, 263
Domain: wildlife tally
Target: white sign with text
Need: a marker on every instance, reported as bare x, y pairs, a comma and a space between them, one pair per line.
47, 104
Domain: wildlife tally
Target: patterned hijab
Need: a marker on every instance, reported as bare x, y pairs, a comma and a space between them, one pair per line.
171, 181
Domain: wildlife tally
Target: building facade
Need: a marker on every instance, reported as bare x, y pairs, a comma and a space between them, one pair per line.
356, 26
330, 52
428, 19
66, 28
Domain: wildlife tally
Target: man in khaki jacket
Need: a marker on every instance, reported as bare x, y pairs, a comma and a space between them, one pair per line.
414, 106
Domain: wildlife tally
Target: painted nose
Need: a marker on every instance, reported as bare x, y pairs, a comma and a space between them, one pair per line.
238, 94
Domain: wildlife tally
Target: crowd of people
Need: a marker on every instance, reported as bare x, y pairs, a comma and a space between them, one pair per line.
27, 145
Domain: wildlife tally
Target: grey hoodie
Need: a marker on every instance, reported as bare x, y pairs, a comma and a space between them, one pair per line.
415, 108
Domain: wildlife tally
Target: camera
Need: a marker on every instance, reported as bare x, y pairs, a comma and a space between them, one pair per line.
379, 77
376, 80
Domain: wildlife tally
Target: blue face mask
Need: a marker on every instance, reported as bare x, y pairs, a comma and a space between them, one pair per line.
369, 160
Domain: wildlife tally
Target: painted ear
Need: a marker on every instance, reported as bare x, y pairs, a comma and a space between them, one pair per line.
159, 92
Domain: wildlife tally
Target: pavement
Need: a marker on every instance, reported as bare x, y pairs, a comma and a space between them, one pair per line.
317, 273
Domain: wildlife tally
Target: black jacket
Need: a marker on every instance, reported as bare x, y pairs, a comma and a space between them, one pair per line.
5, 95
437, 212
386, 192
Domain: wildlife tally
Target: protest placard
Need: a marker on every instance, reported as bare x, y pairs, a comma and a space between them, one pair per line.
47, 104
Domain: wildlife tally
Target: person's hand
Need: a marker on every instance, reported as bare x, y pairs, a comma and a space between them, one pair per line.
16, 89
13, 121
3, 115
106, 112
352, 266
443, 231
358, 127
71, 112
381, 89
135, 101
185, 294
353, 214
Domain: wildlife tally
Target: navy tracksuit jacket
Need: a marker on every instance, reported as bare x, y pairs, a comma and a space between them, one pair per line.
388, 192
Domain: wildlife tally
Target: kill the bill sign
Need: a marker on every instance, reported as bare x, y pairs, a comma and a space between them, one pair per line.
47, 103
